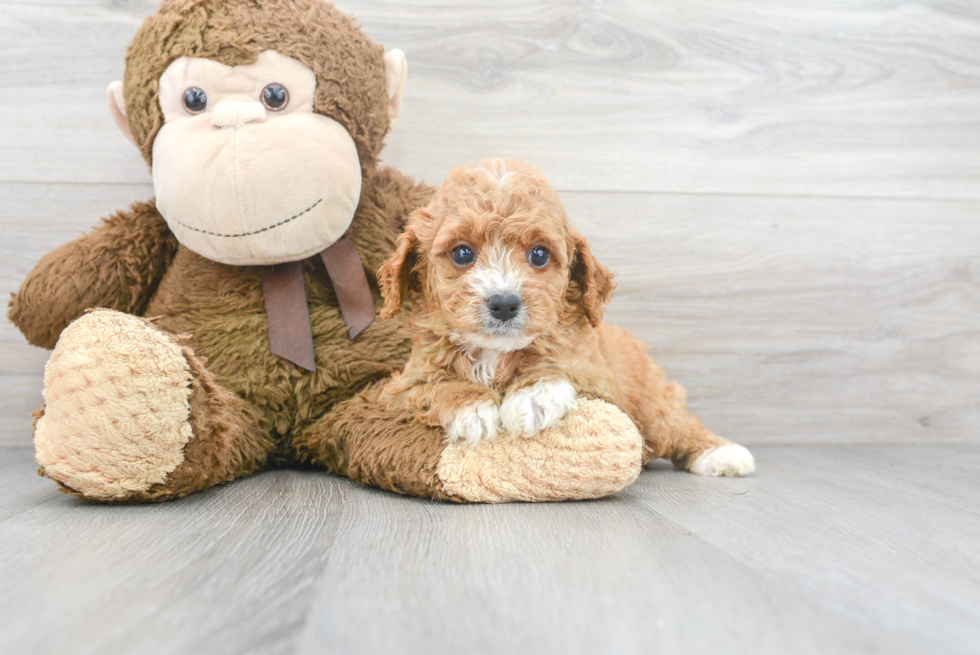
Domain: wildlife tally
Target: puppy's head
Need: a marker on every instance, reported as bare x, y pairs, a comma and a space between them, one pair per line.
496, 260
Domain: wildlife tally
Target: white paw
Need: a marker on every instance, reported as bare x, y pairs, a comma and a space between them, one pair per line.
530, 410
474, 423
731, 460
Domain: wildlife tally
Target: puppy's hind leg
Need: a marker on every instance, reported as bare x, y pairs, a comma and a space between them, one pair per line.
660, 409
671, 431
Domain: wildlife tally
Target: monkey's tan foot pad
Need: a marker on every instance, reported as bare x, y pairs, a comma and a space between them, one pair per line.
116, 394
595, 451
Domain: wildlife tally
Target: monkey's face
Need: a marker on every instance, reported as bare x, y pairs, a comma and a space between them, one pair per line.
245, 172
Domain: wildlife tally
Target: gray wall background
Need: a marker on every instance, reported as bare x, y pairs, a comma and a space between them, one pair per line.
789, 191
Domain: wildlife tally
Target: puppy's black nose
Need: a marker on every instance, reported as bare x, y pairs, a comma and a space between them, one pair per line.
504, 306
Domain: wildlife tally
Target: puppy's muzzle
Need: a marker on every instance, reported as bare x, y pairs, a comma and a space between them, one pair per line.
504, 306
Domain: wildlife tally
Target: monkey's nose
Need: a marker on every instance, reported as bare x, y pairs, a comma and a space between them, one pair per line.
504, 306
232, 113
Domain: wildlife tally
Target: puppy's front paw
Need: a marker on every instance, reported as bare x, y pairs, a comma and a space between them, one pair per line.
474, 423
729, 460
530, 410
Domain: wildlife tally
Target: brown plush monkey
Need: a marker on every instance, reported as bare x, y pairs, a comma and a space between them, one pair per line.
262, 122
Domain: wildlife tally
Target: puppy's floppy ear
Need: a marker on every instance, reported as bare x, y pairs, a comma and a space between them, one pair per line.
396, 276
595, 281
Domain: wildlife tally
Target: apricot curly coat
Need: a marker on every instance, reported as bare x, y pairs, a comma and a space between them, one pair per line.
501, 209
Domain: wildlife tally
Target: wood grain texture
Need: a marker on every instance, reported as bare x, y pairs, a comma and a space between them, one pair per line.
827, 550
792, 320
839, 520
230, 571
854, 99
823, 320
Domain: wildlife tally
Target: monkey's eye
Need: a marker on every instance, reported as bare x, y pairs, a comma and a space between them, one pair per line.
539, 256
275, 97
463, 255
195, 100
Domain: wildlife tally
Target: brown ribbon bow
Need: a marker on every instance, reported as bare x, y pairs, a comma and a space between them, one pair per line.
290, 333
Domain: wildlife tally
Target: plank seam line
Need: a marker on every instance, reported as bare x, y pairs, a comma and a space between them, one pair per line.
638, 192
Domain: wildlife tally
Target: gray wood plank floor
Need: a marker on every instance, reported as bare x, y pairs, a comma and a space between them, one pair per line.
846, 549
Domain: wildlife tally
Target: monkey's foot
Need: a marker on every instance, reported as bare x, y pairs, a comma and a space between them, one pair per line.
117, 394
594, 451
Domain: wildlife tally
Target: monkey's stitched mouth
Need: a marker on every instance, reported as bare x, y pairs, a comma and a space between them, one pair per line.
246, 234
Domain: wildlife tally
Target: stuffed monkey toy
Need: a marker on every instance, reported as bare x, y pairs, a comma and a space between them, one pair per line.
227, 326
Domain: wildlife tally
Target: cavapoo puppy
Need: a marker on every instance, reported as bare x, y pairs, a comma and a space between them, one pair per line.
509, 333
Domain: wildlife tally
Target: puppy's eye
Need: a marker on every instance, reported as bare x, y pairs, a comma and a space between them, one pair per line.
195, 100
275, 97
539, 256
463, 255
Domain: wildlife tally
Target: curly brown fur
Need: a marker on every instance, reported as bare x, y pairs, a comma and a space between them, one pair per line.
349, 67
362, 440
247, 404
463, 357
222, 307
118, 265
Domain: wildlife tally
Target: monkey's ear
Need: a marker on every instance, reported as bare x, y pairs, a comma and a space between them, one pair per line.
396, 71
117, 107
595, 281
396, 276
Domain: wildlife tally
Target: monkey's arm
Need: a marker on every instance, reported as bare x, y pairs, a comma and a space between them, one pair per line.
117, 266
